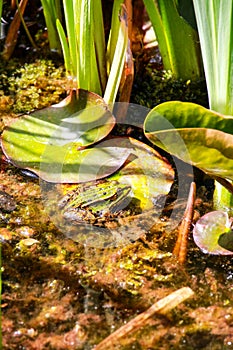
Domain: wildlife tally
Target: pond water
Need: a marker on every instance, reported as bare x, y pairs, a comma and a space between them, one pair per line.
60, 294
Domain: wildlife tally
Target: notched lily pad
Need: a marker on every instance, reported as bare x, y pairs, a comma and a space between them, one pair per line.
71, 166
194, 134
212, 233
148, 173
56, 133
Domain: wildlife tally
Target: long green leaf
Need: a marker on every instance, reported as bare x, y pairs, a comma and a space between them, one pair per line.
114, 32
1, 4
88, 71
85, 44
100, 46
65, 47
182, 42
156, 20
118, 61
70, 15
52, 12
215, 21
178, 41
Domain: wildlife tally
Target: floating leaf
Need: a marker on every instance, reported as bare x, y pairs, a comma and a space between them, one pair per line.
148, 173
208, 231
194, 134
71, 166
56, 134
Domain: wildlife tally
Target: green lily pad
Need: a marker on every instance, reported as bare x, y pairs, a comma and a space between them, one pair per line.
194, 134
147, 172
67, 165
45, 138
210, 231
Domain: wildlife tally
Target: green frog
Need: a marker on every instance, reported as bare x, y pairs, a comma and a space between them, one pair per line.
95, 201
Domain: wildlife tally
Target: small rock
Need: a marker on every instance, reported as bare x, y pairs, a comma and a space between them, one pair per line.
7, 202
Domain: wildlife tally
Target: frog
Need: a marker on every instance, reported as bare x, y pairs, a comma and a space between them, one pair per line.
95, 201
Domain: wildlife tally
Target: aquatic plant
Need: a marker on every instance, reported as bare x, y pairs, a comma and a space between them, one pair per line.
52, 10
178, 41
203, 138
86, 62
214, 21
35, 85
208, 135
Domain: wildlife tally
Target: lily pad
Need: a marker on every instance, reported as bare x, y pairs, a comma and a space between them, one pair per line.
147, 172
67, 165
210, 231
45, 138
194, 134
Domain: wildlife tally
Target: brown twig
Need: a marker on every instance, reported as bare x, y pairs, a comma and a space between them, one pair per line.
128, 71
12, 34
162, 306
180, 249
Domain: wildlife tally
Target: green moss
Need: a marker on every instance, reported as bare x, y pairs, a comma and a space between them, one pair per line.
36, 85
31, 86
153, 87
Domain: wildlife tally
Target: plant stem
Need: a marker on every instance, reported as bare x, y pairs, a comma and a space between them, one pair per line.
12, 34
180, 249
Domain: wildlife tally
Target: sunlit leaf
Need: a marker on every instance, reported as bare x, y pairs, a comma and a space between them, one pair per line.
208, 231
214, 22
194, 134
51, 138
67, 165
148, 174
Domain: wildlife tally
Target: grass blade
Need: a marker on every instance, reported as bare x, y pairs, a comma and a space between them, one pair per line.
65, 47
113, 36
118, 60
51, 13
156, 20
215, 21
99, 39
69, 11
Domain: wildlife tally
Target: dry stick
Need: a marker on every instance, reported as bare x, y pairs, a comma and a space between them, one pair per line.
180, 249
128, 71
162, 306
12, 34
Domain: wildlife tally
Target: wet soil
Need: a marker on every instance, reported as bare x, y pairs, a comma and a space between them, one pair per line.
59, 294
